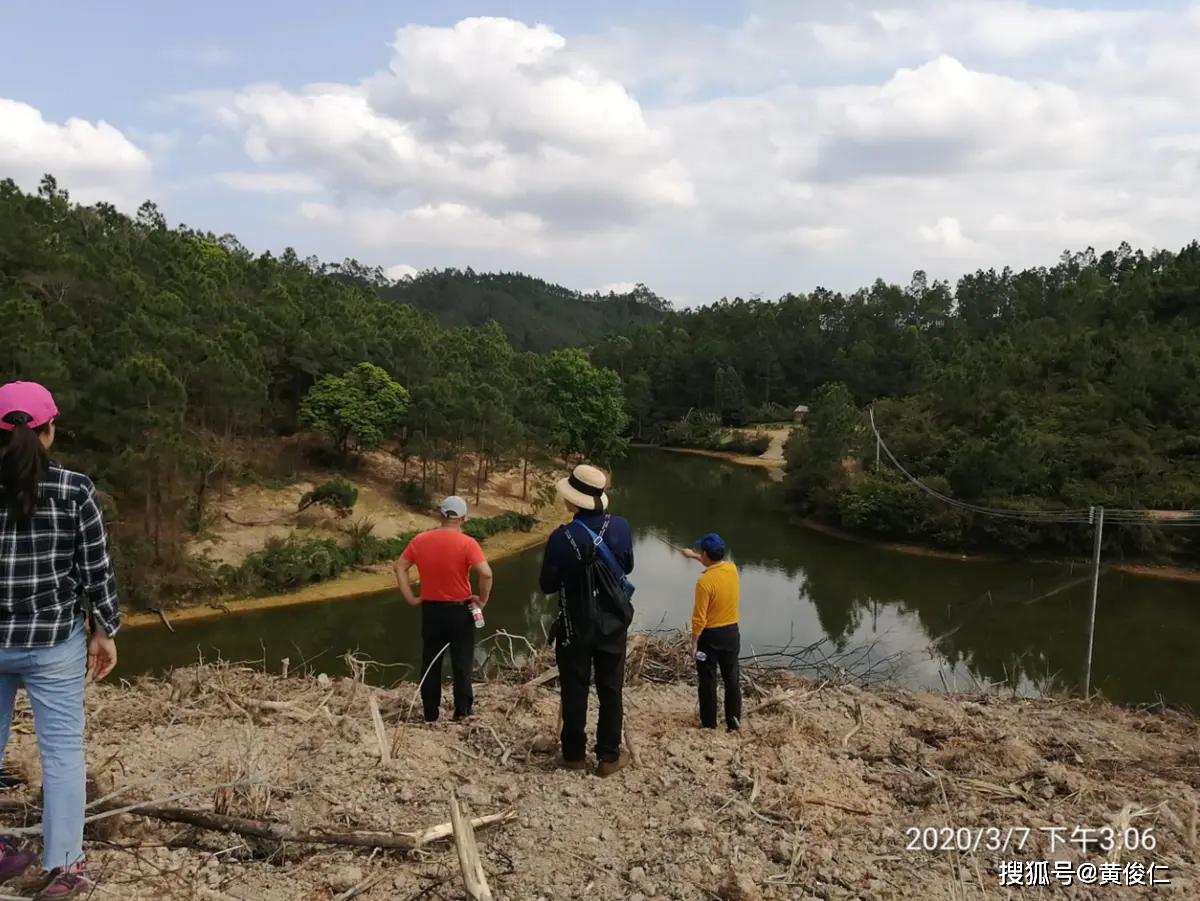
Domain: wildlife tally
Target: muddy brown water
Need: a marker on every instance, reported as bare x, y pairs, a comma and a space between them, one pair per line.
925, 622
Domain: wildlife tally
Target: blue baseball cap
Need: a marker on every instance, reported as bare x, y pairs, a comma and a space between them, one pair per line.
710, 543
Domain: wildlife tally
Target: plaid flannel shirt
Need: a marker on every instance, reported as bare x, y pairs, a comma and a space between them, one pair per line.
55, 567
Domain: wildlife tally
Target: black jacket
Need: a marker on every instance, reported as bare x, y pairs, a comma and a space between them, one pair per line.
561, 568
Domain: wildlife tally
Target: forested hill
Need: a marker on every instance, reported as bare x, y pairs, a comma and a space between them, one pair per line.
536, 315
1053, 387
178, 358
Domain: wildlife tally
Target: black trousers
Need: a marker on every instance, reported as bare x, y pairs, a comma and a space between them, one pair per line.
721, 647
442, 623
576, 664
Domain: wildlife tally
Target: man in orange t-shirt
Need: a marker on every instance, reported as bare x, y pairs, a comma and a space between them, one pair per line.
445, 558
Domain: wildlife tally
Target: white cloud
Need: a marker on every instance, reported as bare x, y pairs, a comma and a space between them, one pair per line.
93, 160
446, 225
401, 271
494, 125
270, 182
820, 238
943, 117
810, 143
946, 236
616, 288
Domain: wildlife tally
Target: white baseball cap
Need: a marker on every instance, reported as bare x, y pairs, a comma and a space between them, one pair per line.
453, 507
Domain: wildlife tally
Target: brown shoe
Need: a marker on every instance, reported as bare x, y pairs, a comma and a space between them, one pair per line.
607, 767
565, 764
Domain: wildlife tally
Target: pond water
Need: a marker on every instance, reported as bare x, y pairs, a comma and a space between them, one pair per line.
927, 622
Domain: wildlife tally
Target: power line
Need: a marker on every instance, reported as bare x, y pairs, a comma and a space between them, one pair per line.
1084, 515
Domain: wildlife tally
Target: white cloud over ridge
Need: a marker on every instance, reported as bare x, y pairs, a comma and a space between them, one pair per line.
93, 160
476, 135
804, 146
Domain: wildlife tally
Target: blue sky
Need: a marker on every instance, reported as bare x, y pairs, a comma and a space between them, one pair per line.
707, 149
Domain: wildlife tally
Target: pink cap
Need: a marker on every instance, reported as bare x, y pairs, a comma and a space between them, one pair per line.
29, 398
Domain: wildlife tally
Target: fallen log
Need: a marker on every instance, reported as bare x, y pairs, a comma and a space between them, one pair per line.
474, 879
774, 701
282, 832
548, 676
385, 747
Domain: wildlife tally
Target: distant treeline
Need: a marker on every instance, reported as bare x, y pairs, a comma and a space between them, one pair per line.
172, 351
1047, 388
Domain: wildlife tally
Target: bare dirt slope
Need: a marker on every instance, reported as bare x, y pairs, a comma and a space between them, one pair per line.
779, 438
247, 516
811, 800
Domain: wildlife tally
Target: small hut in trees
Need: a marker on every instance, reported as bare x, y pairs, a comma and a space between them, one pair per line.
800, 413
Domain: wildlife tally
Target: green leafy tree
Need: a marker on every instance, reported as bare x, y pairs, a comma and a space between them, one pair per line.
588, 404
364, 407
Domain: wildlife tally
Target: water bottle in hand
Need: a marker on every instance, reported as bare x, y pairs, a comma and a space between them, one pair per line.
476, 614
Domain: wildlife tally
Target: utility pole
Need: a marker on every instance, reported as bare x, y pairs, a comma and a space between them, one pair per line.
1097, 518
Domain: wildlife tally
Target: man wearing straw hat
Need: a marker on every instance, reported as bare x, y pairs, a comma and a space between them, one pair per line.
585, 564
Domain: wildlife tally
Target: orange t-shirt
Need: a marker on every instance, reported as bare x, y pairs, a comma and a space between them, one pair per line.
444, 558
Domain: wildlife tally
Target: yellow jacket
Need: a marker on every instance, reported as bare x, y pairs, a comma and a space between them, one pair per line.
717, 595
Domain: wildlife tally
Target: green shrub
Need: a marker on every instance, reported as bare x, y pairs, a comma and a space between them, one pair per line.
771, 412
696, 430
414, 495
886, 504
339, 494
479, 529
381, 550
285, 564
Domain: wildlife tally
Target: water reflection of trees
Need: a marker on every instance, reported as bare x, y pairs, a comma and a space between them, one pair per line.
974, 615
992, 619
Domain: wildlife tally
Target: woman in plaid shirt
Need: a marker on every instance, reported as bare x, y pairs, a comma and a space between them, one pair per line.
55, 576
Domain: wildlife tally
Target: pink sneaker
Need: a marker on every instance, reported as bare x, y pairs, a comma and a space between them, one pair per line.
13, 861
67, 882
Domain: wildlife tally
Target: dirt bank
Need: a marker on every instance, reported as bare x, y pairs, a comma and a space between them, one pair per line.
772, 458
813, 799
246, 517
352, 585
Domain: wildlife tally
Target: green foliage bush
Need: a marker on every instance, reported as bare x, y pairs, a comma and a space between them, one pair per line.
698, 430
769, 413
886, 504
339, 494
703, 431
286, 564
479, 529
414, 495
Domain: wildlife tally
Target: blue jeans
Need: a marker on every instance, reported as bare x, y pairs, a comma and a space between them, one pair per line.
54, 680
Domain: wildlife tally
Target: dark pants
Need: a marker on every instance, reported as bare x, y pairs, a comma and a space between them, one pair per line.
720, 647
442, 623
576, 663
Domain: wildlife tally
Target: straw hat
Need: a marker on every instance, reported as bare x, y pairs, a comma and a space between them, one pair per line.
584, 488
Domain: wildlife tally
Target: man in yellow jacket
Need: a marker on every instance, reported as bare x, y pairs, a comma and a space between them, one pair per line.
716, 641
